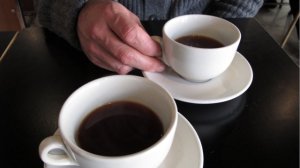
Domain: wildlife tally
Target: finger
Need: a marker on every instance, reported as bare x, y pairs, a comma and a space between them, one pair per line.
128, 55
131, 32
104, 59
100, 57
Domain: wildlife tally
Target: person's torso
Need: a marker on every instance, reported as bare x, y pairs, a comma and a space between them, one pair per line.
164, 9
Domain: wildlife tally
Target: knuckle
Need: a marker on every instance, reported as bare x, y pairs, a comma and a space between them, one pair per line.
90, 48
123, 70
96, 33
130, 33
125, 56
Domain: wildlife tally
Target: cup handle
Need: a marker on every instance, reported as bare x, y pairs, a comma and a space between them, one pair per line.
159, 40
53, 152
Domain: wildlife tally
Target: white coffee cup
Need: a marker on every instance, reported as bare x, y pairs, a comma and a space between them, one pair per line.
199, 64
62, 149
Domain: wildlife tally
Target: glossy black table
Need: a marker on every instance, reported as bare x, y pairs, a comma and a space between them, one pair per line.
258, 129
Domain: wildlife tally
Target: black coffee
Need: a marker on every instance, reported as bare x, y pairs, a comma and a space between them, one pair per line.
199, 41
119, 128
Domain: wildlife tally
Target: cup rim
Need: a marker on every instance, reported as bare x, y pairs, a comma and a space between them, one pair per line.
79, 151
206, 16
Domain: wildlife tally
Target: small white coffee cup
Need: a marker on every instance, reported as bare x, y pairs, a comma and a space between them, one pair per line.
63, 150
199, 64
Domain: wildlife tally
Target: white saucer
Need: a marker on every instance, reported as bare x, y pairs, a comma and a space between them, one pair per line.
230, 84
186, 150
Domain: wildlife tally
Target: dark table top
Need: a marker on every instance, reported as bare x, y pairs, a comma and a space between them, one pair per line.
5, 38
260, 128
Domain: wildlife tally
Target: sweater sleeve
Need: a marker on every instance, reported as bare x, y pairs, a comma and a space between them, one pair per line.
235, 8
60, 17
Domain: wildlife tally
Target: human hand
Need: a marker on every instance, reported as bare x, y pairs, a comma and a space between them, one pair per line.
113, 38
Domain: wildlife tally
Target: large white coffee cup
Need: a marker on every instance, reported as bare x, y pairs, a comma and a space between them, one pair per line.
199, 64
62, 149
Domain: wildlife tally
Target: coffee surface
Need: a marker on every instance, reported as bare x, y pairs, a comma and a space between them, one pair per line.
199, 41
119, 128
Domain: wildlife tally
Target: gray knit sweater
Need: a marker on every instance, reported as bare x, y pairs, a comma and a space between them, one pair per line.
60, 16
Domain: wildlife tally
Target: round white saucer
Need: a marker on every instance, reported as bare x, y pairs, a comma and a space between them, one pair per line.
230, 84
186, 150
